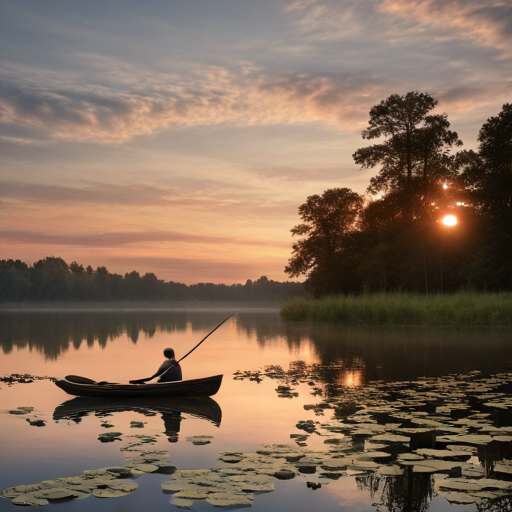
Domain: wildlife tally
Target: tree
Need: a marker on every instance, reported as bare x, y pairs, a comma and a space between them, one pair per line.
415, 144
329, 219
488, 178
488, 173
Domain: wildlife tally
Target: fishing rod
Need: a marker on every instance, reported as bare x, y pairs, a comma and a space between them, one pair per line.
190, 352
140, 381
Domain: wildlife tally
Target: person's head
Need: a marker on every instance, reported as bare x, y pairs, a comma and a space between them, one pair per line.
169, 353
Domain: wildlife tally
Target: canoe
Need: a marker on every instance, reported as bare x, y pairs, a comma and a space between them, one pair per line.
201, 407
81, 386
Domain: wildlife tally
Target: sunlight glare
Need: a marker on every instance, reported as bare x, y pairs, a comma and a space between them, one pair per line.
445, 186
352, 379
450, 220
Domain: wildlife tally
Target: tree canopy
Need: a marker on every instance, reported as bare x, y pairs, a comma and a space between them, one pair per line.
398, 240
414, 144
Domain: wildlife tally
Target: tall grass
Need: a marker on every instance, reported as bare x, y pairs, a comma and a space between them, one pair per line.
458, 309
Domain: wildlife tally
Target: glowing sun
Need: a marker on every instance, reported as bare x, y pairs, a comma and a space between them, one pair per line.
450, 220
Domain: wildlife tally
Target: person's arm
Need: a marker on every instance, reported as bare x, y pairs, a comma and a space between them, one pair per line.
163, 367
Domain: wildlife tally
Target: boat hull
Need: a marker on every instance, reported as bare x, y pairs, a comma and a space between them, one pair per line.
80, 386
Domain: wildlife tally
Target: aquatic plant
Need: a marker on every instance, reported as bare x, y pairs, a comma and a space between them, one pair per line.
461, 309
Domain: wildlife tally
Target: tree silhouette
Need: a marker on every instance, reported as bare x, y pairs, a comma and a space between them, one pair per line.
328, 221
415, 144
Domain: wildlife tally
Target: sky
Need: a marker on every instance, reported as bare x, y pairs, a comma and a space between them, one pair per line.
180, 137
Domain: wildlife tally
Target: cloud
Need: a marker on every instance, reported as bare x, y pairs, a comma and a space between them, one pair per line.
316, 174
197, 195
98, 193
244, 96
120, 239
485, 22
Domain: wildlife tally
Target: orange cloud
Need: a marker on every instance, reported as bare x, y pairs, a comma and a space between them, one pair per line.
484, 22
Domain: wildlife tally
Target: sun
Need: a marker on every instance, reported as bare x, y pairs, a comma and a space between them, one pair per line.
450, 220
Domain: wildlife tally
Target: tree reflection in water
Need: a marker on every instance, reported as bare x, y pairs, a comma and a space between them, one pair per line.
367, 353
410, 492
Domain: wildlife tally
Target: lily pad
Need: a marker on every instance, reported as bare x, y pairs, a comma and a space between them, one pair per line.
37, 423
109, 437
181, 502
29, 500
21, 410
230, 499
109, 493
200, 440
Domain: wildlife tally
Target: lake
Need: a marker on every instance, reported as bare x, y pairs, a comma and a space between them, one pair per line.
323, 368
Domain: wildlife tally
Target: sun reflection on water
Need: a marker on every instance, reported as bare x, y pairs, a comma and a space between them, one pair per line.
352, 378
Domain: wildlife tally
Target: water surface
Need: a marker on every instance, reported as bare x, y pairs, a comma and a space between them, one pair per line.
119, 343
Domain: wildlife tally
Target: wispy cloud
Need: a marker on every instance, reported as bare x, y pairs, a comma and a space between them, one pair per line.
485, 22
244, 96
119, 239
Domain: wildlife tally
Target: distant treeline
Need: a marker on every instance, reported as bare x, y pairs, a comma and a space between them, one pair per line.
52, 279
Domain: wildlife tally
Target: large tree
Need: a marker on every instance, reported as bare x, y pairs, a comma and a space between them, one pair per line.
328, 220
488, 178
414, 143
488, 173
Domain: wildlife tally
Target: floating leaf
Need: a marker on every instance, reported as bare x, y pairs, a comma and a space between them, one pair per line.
108, 437
180, 502
21, 410
229, 499
29, 500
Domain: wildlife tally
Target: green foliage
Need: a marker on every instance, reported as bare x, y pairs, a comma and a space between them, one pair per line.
52, 279
449, 310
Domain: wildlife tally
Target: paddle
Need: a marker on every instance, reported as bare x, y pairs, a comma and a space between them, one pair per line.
141, 381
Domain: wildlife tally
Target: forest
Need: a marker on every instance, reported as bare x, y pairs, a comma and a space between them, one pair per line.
435, 219
52, 279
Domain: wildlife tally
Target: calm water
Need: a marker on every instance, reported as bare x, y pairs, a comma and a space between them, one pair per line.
122, 344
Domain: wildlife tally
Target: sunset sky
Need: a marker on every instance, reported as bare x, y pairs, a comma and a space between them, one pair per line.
180, 137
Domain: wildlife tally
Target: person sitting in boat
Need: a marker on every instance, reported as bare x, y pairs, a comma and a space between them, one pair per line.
169, 374
169, 370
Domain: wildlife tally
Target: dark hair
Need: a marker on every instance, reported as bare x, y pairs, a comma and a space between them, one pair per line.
169, 353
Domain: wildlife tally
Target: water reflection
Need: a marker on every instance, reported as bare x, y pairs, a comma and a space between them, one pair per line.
171, 410
369, 353
410, 492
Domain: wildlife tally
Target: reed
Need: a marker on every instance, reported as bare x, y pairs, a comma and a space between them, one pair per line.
461, 309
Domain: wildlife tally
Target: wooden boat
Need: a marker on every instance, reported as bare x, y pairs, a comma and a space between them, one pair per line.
201, 407
81, 386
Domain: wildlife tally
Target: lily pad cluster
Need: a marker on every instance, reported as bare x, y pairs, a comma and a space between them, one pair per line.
457, 429
140, 441
112, 482
20, 411
26, 378
299, 372
220, 487
156, 461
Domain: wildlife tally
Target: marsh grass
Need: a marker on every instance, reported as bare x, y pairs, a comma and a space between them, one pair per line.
459, 309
